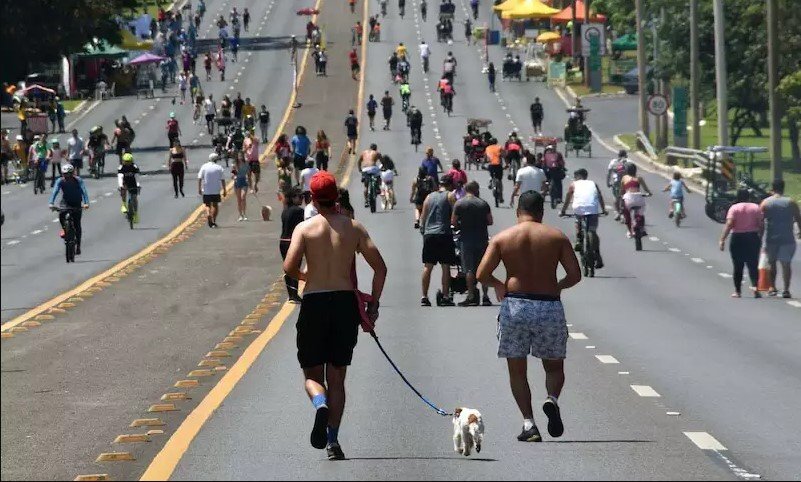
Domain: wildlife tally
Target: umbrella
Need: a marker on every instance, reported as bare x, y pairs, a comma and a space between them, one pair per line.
527, 9
507, 5
546, 37
38, 87
146, 58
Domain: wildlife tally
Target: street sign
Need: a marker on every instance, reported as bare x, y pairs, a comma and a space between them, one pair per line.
588, 31
658, 104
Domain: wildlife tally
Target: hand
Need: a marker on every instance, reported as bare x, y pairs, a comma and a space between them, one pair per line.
500, 291
372, 311
722, 244
53, 207
86, 206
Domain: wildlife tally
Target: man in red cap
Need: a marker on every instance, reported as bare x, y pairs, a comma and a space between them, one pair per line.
330, 311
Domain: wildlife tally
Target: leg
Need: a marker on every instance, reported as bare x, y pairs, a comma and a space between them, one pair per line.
427, 268
446, 279
786, 274
520, 388
174, 173
554, 376
738, 262
291, 283
181, 180
213, 212
772, 266
76, 217
335, 376
752, 261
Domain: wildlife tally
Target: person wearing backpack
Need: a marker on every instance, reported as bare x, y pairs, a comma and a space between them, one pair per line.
536, 115
423, 185
614, 173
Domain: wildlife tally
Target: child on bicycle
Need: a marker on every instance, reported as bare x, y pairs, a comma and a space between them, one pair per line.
677, 188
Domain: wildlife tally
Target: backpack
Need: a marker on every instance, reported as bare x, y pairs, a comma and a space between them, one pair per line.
429, 185
127, 135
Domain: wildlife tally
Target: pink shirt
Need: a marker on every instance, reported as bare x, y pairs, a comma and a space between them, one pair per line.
459, 176
251, 149
746, 217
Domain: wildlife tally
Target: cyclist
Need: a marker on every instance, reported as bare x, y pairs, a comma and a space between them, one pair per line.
73, 196
446, 93
126, 181
173, 129
97, 145
425, 53
401, 50
372, 106
432, 165
449, 67
587, 201
406, 94
123, 137
633, 187
614, 173
369, 165
235, 142
387, 189
494, 155
677, 189
555, 170
528, 178
416, 124
513, 149
423, 9
403, 69
393, 65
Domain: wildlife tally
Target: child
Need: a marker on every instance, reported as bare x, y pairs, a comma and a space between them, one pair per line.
677, 189
284, 177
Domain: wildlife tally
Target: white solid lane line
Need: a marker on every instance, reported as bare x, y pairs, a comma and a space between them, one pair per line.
578, 336
675, 250
645, 391
609, 359
590, 347
704, 441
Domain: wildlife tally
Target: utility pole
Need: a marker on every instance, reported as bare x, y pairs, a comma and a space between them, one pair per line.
658, 120
573, 28
585, 39
641, 68
773, 84
720, 74
694, 75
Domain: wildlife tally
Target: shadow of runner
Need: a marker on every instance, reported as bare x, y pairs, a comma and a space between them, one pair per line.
469, 459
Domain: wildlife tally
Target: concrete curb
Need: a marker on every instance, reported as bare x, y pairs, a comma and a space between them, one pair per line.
658, 168
601, 95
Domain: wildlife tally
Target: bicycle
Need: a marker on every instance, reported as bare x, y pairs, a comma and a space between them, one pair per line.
678, 211
132, 205
638, 224
39, 179
447, 103
589, 245
97, 164
372, 191
416, 138
70, 236
497, 190
405, 103
514, 166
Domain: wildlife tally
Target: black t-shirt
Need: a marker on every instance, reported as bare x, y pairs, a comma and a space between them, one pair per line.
129, 172
350, 124
290, 218
386, 103
471, 213
536, 110
372, 105
264, 117
238, 103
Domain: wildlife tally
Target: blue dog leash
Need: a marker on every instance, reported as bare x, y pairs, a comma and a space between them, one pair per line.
438, 410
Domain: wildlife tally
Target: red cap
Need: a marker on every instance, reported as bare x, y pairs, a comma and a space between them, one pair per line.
324, 187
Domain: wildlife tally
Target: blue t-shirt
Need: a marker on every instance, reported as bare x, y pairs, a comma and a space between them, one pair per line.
301, 145
676, 191
431, 166
73, 191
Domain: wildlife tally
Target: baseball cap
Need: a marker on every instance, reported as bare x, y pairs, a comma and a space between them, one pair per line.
324, 187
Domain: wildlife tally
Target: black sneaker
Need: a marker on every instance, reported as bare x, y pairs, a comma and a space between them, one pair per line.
530, 435
439, 298
447, 301
335, 451
208, 220
469, 301
555, 426
77, 250
424, 301
486, 301
319, 435
417, 225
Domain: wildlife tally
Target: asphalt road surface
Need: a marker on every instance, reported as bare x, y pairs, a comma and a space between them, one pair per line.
31, 251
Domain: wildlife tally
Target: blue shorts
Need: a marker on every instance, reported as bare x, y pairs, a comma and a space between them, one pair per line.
240, 183
532, 324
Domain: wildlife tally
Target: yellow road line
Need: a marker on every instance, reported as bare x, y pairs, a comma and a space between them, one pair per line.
161, 242
162, 467
359, 97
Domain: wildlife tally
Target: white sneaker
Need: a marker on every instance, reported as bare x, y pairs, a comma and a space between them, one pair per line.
240, 218
244, 218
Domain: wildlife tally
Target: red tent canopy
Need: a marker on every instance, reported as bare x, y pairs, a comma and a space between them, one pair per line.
566, 15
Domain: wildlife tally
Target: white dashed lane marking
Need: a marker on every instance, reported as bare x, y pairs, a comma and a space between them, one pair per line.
675, 250
704, 441
13, 242
36, 231
578, 336
724, 275
622, 373
697, 260
590, 347
645, 391
795, 303
608, 359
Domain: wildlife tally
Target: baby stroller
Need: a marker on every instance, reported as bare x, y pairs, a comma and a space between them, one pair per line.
512, 69
458, 282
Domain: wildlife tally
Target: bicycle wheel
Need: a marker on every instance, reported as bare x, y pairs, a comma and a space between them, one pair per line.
589, 252
69, 240
130, 213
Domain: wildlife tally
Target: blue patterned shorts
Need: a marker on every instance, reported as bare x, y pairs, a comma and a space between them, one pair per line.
531, 326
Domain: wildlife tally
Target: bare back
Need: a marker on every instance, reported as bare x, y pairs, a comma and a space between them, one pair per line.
330, 242
530, 253
369, 158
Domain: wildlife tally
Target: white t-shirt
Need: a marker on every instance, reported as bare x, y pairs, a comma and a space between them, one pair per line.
585, 197
75, 148
306, 175
212, 176
530, 179
309, 211
210, 107
425, 51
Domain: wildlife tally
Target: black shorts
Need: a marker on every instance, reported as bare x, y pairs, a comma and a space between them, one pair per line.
299, 162
77, 163
495, 171
255, 167
439, 248
211, 198
328, 328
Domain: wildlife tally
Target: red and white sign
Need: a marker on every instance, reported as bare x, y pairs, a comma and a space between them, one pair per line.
658, 104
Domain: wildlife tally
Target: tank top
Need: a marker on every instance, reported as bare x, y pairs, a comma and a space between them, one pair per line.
439, 214
585, 197
779, 220
57, 155
177, 156
632, 184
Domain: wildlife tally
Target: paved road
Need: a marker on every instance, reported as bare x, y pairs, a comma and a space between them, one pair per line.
728, 367
30, 246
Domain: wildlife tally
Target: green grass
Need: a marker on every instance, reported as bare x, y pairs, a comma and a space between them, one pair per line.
70, 105
583, 90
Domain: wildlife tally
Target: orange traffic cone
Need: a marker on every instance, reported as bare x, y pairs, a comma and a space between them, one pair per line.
763, 284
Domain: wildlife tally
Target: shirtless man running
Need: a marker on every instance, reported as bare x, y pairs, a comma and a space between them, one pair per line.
532, 319
369, 163
329, 317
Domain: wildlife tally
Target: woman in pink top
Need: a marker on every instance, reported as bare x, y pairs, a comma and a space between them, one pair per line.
459, 178
744, 222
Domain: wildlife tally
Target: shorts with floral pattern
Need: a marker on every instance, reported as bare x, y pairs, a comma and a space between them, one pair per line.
531, 326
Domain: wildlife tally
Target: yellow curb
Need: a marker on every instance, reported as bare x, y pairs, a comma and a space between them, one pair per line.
5, 335
92, 477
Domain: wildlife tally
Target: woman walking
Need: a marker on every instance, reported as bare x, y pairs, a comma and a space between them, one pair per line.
240, 173
322, 150
290, 218
178, 163
745, 223
491, 76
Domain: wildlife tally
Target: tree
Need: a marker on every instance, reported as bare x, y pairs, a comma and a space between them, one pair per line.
44, 30
790, 90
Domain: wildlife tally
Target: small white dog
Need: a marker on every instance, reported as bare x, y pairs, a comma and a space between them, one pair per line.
468, 430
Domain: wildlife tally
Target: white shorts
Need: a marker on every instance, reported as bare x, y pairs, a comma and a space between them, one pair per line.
372, 170
634, 200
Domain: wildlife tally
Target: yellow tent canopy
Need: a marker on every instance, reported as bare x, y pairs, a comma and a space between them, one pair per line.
129, 42
529, 9
507, 5
546, 37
